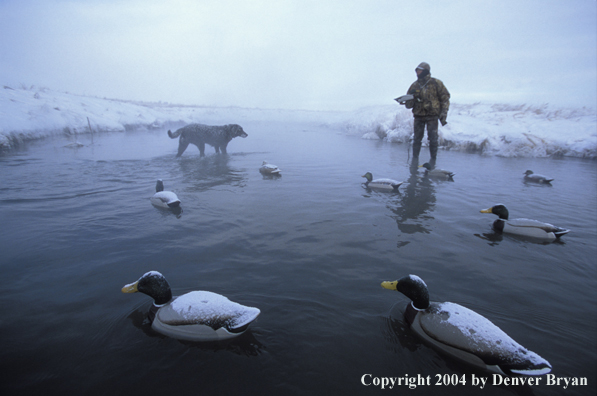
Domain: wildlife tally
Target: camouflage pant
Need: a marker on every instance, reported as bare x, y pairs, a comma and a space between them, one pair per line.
432, 135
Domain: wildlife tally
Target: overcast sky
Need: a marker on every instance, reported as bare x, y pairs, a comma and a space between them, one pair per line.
321, 54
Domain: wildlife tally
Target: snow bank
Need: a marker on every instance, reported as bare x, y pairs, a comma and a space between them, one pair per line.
498, 129
28, 113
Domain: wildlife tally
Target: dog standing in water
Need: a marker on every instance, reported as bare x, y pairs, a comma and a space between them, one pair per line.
199, 135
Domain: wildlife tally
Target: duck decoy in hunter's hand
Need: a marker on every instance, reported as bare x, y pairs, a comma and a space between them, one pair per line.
464, 334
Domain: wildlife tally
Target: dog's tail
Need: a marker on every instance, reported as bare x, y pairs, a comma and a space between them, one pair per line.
175, 134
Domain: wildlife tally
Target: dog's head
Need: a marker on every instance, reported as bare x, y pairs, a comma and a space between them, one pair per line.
235, 130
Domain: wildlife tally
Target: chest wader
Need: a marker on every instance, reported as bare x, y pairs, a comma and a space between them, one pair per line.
432, 124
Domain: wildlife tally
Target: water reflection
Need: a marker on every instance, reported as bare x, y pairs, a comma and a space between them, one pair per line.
396, 331
494, 239
535, 184
415, 204
205, 173
169, 211
245, 344
271, 176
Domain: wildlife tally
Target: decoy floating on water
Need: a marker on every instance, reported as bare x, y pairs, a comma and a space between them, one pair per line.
464, 334
436, 172
164, 199
529, 176
269, 169
381, 184
74, 145
194, 316
524, 227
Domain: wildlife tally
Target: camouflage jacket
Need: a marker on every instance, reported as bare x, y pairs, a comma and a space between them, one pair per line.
432, 99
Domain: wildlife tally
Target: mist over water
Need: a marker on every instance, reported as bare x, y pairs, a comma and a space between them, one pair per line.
309, 249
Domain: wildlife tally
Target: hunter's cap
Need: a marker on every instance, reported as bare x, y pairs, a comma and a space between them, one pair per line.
424, 66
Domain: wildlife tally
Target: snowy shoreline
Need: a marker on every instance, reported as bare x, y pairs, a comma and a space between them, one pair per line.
28, 114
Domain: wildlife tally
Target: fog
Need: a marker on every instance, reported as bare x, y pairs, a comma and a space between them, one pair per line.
316, 55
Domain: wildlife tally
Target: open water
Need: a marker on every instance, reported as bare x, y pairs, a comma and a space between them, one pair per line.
309, 248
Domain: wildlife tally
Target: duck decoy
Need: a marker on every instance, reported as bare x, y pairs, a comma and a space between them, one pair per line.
436, 172
464, 334
164, 199
381, 184
194, 316
269, 169
524, 227
529, 176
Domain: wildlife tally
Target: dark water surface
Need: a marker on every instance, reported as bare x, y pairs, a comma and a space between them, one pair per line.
309, 249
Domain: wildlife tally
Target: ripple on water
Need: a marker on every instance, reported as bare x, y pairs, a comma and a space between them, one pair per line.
309, 249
